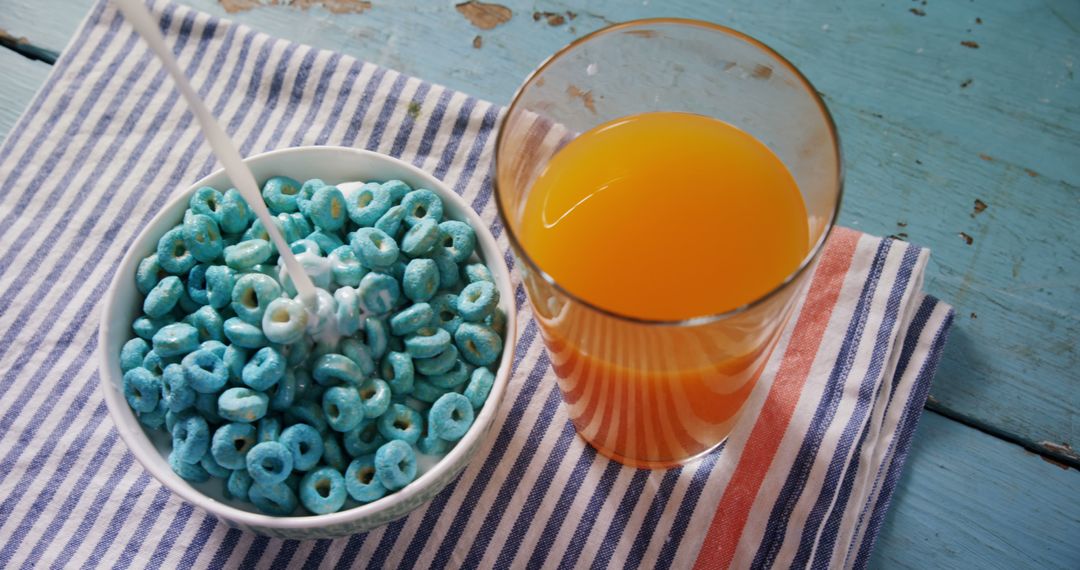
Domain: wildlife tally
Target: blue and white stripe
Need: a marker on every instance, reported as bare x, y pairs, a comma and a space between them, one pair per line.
100, 150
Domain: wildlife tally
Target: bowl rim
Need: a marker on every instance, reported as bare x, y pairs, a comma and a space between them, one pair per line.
123, 418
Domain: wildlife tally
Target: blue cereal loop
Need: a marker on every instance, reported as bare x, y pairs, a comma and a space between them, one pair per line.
359, 353
294, 226
332, 453
284, 321
411, 319
196, 284
429, 444
377, 336
327, 241
345, 266
176, 339
207, 405
217, 347
213, 467
497, 321
192, 472
420, 205
247, 254
202, 237
397, 189
449, 275
378, 292
456, 376
446, 315
258, 231
479, 387
244, 334
219, 285
231, 444
238, 484
426, 392
148, 273
365, 438
234, 358
342, 407
477, 300
235, 212
450, 416
264, 369
304, 443
208, 323
322, 491
331, 369
190, 438
173, 254
280, 192
132, 353
361, 482
374, 248
391, 222
327, 209
400, 423
474, 272
420, 280
205, 372
268, 429
239, 404
277, 499
478, 344
206, 201
283, 393
459, 240
186, 304
348, 311
305, 246
298, 352
397, 371
142, 389
156, 364
308, 411
146, 327
421, 237
374, 397
427, 342
367, 204
307, 191
395, 464
439, 364
269, 462
251, 295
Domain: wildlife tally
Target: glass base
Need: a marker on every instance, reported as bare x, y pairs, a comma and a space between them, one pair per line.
646, 464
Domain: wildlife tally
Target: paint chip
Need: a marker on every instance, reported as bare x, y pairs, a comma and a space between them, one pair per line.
970, 44
967, 239
484, 15
477, 42
979, 207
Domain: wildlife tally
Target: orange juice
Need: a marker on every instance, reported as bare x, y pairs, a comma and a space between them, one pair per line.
661, 217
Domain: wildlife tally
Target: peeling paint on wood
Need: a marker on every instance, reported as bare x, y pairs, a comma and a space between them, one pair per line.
477, 42
484, 15
970, 44
979, 207
586, 97
761, 72
967, 238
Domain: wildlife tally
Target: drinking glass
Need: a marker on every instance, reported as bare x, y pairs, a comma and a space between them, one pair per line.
652, 393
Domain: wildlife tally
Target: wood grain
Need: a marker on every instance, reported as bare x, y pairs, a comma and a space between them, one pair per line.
22, 77
967, 500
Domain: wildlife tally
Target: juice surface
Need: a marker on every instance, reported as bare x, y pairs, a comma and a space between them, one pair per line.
666, 216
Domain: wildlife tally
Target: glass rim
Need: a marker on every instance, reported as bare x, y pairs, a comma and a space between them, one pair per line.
807, 261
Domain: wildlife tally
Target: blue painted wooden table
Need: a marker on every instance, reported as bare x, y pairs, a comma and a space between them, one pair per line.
960, 121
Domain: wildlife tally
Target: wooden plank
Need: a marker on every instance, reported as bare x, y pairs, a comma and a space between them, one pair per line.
968, 500
22, 77
930, 125
48, 24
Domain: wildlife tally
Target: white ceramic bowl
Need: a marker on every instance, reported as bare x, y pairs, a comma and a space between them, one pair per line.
123, 303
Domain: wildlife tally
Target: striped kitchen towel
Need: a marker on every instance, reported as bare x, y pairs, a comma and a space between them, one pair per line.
805, 480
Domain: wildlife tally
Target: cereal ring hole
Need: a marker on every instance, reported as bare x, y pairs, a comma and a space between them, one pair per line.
240, 444
367, 393
402, 423
179, 249
365, 475
333, 412
322, 487
419, 211
403, 465
446, 316
249, 299
271, 465
364, 198
280, 316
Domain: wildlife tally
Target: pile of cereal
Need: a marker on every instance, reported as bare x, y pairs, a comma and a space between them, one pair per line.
322, 406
